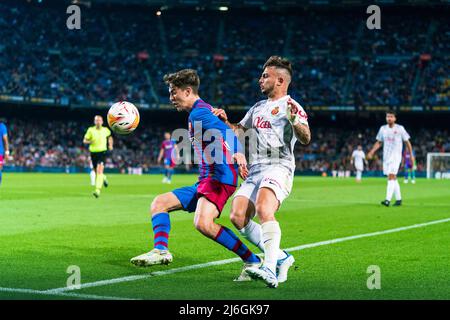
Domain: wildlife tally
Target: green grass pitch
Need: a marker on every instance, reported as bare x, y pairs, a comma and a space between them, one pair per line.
51, 221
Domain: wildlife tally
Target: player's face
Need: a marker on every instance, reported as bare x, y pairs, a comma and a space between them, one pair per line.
267, 80
390, 119
179, 98
98, 121
167, 136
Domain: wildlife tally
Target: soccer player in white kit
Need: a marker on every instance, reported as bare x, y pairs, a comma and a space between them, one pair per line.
392, 136
274, 124
358, 159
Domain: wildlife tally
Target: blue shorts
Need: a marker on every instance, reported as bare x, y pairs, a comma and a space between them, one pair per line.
408, 166
188, 197
168, 162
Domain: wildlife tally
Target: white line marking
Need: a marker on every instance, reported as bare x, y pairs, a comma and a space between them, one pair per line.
365, 202
63, 294
227, 261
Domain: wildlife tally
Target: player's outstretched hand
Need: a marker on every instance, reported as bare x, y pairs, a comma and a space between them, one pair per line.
220, 113
242, 163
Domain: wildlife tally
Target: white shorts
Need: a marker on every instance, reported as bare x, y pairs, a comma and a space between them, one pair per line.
359, 168
277, 178
391, 167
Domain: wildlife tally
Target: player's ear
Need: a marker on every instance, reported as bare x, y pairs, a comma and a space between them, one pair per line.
280, 81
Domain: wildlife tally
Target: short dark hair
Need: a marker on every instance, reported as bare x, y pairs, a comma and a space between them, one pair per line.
183, 78
279, 62
390, 111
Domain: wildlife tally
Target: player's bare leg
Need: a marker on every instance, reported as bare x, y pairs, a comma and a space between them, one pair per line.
160, 208
205, 214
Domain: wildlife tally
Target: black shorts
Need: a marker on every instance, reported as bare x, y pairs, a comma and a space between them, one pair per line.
98, 158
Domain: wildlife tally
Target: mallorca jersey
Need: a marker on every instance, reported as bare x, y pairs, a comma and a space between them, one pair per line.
168, 146
3, 132
392, 139
98, 138
275, 137
203, 126
359, 157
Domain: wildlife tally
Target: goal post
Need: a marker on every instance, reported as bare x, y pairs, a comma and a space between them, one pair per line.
438, 165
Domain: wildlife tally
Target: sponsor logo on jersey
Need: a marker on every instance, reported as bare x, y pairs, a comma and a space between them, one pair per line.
261, 123
275, 111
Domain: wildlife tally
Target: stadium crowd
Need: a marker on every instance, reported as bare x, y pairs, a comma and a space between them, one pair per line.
59, 144
123, 54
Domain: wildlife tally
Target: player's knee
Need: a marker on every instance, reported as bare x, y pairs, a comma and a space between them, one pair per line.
264, 212
237, 217
159, 204
203, 224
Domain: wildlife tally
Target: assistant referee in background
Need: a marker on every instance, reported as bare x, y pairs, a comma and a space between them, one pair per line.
99, 140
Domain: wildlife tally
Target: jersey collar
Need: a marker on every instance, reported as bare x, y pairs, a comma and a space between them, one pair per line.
196, 102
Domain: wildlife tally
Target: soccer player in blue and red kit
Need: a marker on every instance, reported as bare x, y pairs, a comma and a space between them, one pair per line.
217, 179
4, 147
409, 166
168, 152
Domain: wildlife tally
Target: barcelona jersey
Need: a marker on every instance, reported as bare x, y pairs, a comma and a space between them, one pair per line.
214, 144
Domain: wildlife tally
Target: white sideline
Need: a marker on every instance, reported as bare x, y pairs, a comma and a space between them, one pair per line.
63, 294
227, 261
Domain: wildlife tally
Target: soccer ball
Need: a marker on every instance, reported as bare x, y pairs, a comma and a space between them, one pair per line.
123, 117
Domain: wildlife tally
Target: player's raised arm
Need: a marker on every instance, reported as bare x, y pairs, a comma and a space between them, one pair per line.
299, 121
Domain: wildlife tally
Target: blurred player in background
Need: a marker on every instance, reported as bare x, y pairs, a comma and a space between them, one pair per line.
4, 147
409, 167
278, 122
100, 141
169, 152
392, 136
216, 182
358, 160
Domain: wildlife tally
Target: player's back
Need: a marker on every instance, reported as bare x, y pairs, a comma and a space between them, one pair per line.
218, 166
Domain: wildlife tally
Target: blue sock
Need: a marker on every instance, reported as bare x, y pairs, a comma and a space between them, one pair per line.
229, 240
1, 177
170, 173
161, 229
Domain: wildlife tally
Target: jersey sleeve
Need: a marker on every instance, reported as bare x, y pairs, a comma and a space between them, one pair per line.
405, 135
301, 113
3, 131
247, 121
88, 135
380, 135
108, 132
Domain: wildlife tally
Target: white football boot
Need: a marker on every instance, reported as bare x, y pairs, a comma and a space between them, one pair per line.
244, 276
263, 274
283, 266
156, 256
